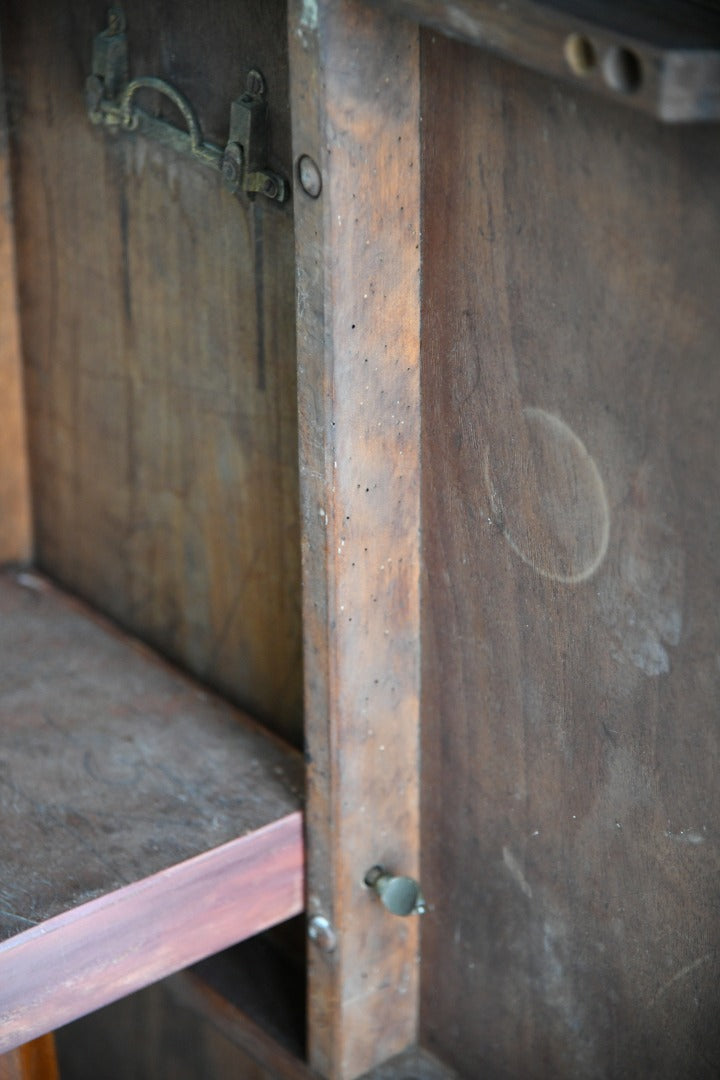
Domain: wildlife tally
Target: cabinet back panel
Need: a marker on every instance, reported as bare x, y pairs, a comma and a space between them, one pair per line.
571, 516
158, 329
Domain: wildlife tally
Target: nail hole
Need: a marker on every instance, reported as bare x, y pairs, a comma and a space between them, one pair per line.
580, 54
622, 70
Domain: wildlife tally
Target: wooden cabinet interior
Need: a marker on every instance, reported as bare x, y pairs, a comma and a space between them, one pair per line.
527, 532
145, 824
158, 337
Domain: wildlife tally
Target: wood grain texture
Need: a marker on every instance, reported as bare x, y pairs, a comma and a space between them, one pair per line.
109, 947
144, 823
113, 765
35, 1060
105, 949
354, 85
15, 516
158, 329
570, 745
661, 58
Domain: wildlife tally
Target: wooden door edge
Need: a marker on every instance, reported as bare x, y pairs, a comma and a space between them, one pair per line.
355, 94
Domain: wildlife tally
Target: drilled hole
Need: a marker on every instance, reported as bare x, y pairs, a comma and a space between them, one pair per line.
580, 54
622, 70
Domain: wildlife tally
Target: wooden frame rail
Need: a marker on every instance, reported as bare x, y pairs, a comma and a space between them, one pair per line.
355, 93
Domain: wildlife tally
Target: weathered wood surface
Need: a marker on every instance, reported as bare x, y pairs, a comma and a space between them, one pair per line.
15, 517
114, 764
661, 58
158, 327
571, 749
107, 948
145, 823
355, 92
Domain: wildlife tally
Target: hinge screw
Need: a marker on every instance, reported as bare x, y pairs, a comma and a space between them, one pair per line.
309, 176
116, 21
321, 933
255, 84
232, 166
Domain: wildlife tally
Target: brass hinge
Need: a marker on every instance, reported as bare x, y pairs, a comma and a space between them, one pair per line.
110, 96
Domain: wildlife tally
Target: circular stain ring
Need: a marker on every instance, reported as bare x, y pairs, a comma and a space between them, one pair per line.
558, 430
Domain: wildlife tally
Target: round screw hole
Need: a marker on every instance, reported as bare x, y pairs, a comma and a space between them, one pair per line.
580, 54
622, 70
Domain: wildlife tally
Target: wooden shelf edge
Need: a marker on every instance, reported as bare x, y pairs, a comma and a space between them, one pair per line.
88, 957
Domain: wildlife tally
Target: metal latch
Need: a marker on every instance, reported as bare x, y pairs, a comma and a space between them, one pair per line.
110, 96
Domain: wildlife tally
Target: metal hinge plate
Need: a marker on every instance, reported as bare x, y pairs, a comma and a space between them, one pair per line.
111, 102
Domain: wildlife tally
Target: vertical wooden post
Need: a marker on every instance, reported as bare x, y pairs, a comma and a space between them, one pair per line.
15, 522
355, 96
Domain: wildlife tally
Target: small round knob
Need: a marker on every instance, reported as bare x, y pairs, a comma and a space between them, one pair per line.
400, 895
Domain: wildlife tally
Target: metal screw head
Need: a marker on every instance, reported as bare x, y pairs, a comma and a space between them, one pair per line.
321, 933
232, 166
116, 20
255, 84
400, 895
309, 176
270, 187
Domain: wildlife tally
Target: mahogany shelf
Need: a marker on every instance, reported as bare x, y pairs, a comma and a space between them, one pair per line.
144, 823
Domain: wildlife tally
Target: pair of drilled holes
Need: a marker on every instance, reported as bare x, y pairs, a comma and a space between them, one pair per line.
621, 68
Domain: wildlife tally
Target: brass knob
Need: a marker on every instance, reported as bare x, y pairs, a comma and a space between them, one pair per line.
400, 895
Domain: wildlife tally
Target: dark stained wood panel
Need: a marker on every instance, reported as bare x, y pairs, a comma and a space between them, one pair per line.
145, 823
172, 1029
183, 1024
158, 330
571, 810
